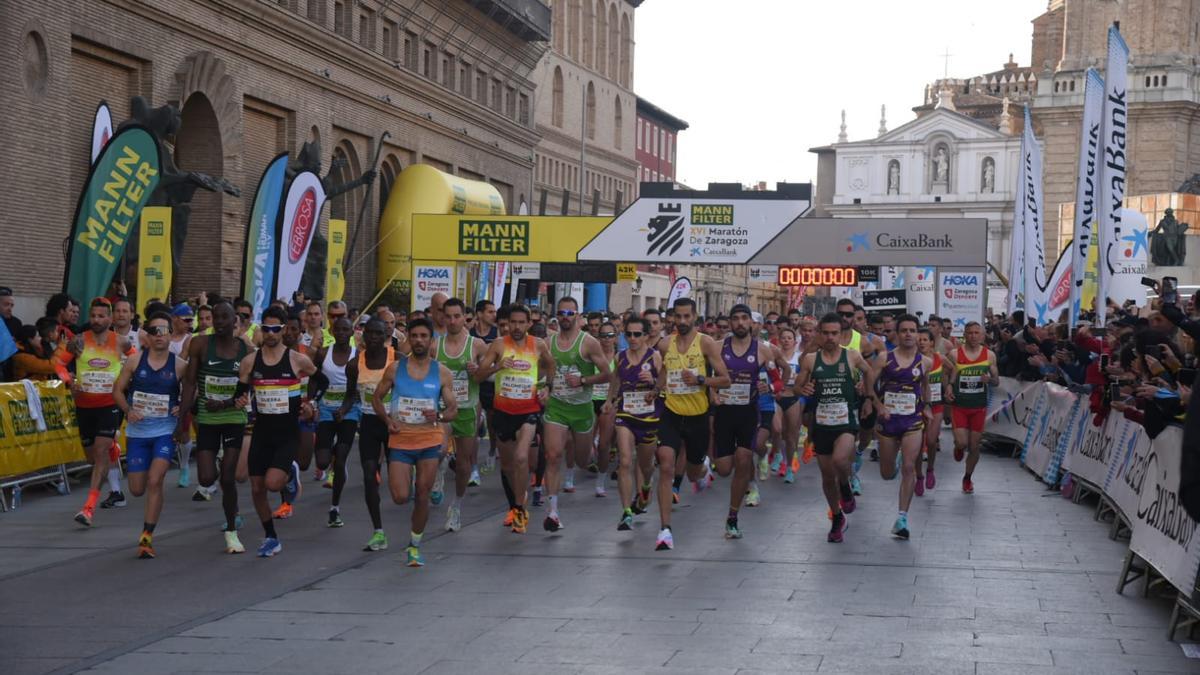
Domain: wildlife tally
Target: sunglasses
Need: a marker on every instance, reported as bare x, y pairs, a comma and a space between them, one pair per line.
159, 330
277, 328
848, 315
335, 317
245, 317
634, 333
567, 312
609, 335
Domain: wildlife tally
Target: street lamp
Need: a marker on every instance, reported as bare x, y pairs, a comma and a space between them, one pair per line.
637, 285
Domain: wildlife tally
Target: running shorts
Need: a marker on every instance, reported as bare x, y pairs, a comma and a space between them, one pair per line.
465, 424
971, 419
411, 457
332, 433
140, 452
507, 425
273, 446
217, 437
97, 423
644, 433
735, 426
824, 440
689, 432
579, 418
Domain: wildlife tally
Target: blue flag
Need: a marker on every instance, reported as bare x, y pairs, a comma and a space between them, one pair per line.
8, 346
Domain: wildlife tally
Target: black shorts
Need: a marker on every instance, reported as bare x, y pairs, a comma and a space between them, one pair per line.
98, 423
867, 423
597, 406
215, 437
824, 440
508, 425
487, 395
680, 432
735, 427
787, 402
273, 446
766, 419
372, 439
336, 433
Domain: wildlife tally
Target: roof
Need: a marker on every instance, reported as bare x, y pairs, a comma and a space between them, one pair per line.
661, 115
527, 19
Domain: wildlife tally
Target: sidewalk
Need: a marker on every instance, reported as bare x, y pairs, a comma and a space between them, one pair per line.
1010, 580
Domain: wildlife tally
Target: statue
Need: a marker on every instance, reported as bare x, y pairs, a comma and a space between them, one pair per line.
989, 175
893, 184
941, 165
1168, 241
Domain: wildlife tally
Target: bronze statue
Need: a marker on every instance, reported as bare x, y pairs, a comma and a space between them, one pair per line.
1168, 241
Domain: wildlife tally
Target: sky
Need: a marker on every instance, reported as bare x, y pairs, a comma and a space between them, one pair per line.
762, 81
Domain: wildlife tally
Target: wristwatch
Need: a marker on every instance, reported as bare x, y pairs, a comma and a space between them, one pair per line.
700, 380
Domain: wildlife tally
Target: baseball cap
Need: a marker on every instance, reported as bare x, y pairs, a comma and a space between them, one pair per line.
743, 309
182, 309
756, 317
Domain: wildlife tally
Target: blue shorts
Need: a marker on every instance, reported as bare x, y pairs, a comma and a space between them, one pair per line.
325, 413
140, 452
309, 426
411, 457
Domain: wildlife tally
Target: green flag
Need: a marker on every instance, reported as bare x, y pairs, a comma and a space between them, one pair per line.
120, 183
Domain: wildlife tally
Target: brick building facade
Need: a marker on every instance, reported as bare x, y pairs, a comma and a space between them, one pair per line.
657, 147
451, 81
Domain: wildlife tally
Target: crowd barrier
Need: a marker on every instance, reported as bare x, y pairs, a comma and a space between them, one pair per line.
1135, 477
29, 454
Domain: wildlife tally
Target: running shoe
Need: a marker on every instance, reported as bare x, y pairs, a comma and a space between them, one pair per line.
930, 480
781, 470
377, 542
753, 498
795, 464
642, 502
145, 547
454, 518
201, 495
900, 529
840, 525
601, 490
593, 467
959, 453
569, 481
848, 506
327, 482
335, 518
474, 480
674, 495
856, 466
294, 485
809, 453
552, 523
626, 521
269, 547
413, 557
520, 521
764, 471
701, 485
537, 496
789, 477
855, 485
665, 541
114, 500
968, 487
238, 522
84, 517
436, 497
874, 454
777, 462
318, 475
185, 477
283, 512
233, 544
731, 529
510, 517
919, 486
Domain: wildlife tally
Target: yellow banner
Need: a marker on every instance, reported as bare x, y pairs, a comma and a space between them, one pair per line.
626, 272
1087, 297
22, 447
335, 281
154, 255
507, 238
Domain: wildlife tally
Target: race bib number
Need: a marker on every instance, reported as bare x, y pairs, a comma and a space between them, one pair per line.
900, 402
336, 393
635, 403
600, 391
462, 388
412, 410
970, 384
676, 385
151, 405
935, 392
563, 390
97, 382
735, 394
219, 388
833, 413
272, 400
516, 387
366, 392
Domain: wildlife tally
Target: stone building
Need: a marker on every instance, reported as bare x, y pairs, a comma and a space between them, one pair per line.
452, 81
657, 142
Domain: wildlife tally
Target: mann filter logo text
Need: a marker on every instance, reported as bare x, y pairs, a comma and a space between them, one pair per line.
885, 241
485, 237
712, 214
154, 228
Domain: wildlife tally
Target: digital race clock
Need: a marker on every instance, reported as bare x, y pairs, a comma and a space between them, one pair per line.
818, 275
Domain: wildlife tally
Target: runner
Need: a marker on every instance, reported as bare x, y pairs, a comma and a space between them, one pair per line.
210, 381
272, 375
418, 386
97, 354
736, 416
486, 329
182, 331
933, 431
828, 377
515, 361
684, 426
147, 392
367, 371
974, 369
123, 326
904, 380
459, 352
606, 332
293, 336
633, 394
791, 407
854, 336
338, 412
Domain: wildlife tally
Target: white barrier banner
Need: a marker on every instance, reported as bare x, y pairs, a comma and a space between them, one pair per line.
1163, 533
1046, 423
1087, 457
1126, 463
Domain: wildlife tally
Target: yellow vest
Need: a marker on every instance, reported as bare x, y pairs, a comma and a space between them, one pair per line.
685, 399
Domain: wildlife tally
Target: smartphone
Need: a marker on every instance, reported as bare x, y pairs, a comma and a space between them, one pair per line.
1149, 283
1186, 376
1114, 392
1104, 359
1170, 290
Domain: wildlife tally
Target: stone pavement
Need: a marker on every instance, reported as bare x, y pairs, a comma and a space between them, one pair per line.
1010, 580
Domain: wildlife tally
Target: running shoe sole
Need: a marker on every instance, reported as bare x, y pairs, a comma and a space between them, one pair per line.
83, 519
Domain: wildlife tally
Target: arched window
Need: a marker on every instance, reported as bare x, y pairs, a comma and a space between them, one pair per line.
589, 31
614, 42
626, 51
618, 122
556, 102
573, 30
601, 38
591, 111
559, 31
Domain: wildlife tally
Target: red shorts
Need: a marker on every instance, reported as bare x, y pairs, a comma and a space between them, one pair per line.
971, 419
937, 409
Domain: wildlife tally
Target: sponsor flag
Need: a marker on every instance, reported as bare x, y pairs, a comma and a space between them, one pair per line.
154, 255
499, 281
301, 213
1114, 122
1016, 254
682, 288
1033, 226
8, 346
1085, 187
262, 236
102, 129
335, 280
119, 184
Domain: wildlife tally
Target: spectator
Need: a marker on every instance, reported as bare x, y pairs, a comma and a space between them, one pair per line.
12, 323
65, 310
33, 358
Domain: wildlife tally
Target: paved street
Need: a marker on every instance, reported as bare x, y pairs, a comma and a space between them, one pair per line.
1010, 580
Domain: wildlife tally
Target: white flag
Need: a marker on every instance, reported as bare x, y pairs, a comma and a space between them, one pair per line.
1016, 249
1086, 182
1037, 302
301, 217
1115, 121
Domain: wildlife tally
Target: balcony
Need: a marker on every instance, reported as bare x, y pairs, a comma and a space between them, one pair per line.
527, 19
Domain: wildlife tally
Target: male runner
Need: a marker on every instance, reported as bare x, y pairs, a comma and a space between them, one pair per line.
904, 380
293, 334
515, 360
828, 378
736, 416
459, 352
870, 347
147, 392
791, 407
418, 386
938, 372
315, 336
123, 326
272, 375
211, 380
487, 329
338, 412
606, 333
579, 363
367, 371
974, 369
655, 321
247, 328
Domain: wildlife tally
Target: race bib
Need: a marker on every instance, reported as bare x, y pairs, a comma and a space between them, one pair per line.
366, 392
336, 393
735, 394
219, 388
600, 391
97, 382
412, 410
562, 390
970, 384
272, 400
900, 402
462, 388
635, 403
516, 387
676, 385
833, 413
935, 393
151, 405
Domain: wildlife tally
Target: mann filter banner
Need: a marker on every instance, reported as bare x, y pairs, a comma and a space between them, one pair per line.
262, 235
301, 213
102, 129
120, 183
154, 255
1086, 183
1115, 120
24, 447
335, 280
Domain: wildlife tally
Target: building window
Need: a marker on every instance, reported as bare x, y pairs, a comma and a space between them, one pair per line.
523, 110
366, 29
316, 11
667, 154
601, 37
556, 101
427, 61
448, 71
626, 51
654, 143
589, 28
339, 18
464, 79
497, 96
639, 133
410, 51
510, 103
591, 111
573, 30
559, 30
618, 122
391, 49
